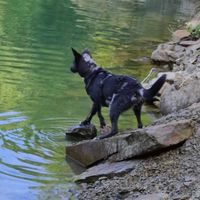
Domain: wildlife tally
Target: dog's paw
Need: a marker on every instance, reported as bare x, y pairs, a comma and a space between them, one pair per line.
97, 138
84, 123
105, 130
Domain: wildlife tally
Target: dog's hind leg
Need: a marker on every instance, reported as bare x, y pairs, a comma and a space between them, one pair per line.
91, 114
137, 107
118, 105
101, 118
114, 121
137, 111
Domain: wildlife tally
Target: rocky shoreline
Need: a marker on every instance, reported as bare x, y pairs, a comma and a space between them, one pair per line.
152, 166
172, 174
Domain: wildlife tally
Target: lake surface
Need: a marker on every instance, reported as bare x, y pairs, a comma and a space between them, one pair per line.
40, 98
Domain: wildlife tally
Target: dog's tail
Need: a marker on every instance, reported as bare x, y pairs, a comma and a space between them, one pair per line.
151, 93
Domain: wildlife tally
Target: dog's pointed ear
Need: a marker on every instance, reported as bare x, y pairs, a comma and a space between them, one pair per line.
77, 55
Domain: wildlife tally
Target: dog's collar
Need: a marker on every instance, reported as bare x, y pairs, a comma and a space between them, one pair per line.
89, 79
87, 73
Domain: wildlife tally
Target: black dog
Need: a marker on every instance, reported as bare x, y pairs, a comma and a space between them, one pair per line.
117, 92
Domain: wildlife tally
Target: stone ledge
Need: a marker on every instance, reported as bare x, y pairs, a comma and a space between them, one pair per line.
130, 144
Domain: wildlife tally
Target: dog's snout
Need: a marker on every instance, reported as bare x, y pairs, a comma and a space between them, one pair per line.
73, 70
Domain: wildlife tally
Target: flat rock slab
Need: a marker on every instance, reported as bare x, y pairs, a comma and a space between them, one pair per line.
130, 144
82, 131
179, 35
106, 170
187, 43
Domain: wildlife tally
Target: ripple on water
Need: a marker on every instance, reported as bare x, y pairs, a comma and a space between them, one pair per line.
30, 154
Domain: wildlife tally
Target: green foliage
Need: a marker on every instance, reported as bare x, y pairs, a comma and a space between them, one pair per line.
195, 33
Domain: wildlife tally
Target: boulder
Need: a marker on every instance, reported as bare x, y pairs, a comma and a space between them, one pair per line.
184, 92
130, 144
161, 53
191, 112
170, 76
167, 53
82, 131
106, 170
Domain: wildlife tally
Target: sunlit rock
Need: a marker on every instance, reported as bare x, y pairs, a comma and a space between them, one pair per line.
179, 35
183, 93
131, 144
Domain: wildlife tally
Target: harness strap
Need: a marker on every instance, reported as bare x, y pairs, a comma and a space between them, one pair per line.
89, 79
107, 77
92, 76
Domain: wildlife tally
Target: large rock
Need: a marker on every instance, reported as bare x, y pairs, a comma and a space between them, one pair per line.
130, 144
183, 93
168, 53
191, 112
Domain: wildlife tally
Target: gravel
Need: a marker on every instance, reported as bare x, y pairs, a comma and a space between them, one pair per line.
175, 173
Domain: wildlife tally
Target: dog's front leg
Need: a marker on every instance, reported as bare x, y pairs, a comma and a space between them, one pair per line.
91, 114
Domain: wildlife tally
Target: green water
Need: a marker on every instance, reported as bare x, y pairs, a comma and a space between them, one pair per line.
40, 98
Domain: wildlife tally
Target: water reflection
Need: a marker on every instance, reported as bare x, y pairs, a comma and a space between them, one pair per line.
30, 158
40, 98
